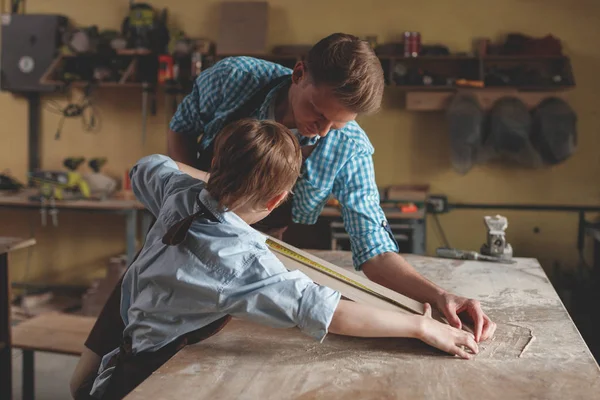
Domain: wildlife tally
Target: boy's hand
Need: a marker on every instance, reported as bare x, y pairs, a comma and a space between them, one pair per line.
446, 337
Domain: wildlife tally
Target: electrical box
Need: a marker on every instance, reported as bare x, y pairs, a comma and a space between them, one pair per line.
30, 43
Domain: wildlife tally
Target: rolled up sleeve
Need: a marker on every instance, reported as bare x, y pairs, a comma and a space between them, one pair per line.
364, 220
268, 294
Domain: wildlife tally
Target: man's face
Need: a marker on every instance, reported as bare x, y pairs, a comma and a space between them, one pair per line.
316, 110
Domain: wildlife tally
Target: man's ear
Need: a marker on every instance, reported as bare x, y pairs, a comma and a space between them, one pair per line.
299, 72
276, 201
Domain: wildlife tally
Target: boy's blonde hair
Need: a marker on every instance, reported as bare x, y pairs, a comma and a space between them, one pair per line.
254, 161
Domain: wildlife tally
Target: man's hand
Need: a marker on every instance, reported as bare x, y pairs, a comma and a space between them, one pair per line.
393, 272
451, 306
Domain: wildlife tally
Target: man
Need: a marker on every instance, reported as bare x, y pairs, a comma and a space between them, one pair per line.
319, 100
340, 79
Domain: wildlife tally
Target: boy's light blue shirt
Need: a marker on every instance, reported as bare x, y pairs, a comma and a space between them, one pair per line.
220, 269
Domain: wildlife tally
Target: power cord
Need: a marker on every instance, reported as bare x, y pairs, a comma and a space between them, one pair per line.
441, 230
90, 118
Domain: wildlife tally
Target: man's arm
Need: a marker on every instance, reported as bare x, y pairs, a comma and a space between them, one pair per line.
193, 172
181, 148
376, 252
211, 89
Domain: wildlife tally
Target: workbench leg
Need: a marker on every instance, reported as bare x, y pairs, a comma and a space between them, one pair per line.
5, 340
147, 221
131, 234
28, 375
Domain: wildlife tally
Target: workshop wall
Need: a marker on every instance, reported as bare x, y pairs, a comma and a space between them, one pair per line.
410, 147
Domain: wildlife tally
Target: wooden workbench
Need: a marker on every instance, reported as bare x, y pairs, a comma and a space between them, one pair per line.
128, 208
7, 245
537, 353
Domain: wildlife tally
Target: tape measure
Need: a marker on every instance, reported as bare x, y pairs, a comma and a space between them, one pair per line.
328, 271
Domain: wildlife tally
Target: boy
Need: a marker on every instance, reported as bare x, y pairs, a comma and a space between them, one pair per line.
202, 263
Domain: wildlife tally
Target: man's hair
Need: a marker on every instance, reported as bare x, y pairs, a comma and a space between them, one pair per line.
254, 161
351, 68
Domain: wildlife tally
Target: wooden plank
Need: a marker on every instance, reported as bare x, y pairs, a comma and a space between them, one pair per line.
436, 101
53, 332
248, 361
409, 305
8, 244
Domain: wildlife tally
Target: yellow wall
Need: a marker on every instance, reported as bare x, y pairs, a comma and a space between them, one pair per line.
410, 147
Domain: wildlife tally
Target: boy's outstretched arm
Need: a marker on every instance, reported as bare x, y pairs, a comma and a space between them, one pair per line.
353, 319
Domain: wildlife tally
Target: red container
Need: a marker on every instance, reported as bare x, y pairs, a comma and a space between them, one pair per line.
165, 71
412, 44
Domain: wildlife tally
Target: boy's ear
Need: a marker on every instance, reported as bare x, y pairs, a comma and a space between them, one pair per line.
276, 201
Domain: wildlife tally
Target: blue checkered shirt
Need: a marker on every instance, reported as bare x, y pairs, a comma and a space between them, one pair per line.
341, 164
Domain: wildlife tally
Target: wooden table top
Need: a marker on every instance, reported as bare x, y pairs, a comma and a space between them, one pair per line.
536, 352
8, 244
21, 199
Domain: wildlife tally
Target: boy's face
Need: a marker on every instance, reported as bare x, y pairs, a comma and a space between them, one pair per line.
315, 108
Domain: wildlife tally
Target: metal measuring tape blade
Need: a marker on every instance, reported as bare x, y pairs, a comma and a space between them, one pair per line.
286, 251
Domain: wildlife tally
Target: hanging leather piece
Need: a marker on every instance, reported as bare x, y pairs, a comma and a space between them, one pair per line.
178, 232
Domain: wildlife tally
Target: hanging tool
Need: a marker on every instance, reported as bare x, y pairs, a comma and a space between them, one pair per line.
47, 196
456, 254
145, 91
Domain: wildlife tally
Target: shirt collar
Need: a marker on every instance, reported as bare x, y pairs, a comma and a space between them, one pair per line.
224, 217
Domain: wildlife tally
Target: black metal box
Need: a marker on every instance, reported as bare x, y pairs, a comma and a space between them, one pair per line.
30, 42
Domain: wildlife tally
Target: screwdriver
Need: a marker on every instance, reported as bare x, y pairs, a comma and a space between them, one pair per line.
469, 255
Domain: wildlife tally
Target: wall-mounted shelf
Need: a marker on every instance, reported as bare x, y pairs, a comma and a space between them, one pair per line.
429, 81
127, 69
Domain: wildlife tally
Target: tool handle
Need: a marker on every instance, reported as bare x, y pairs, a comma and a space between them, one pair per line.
450, 253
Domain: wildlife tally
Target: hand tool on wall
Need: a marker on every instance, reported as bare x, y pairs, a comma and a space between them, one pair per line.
145, 92
456, 254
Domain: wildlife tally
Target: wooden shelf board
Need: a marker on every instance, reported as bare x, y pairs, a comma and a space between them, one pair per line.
523, 58
97, 84
436, 101
451, 57
134, 52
